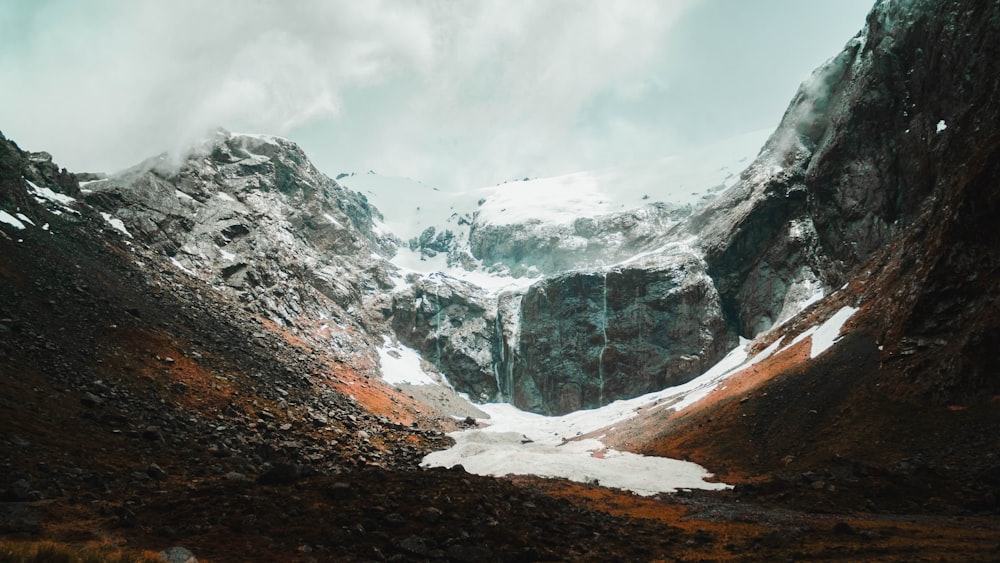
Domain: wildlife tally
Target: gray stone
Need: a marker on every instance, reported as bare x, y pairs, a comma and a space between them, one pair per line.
589, 338
178, 554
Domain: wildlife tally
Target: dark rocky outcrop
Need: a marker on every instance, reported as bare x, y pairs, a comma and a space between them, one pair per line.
587, 339
856, 156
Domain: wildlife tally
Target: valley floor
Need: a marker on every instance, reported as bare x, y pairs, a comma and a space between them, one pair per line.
376, 515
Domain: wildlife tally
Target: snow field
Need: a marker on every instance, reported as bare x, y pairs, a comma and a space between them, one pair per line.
522, 443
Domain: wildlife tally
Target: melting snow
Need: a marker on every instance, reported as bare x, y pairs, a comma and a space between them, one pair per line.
401, 365
116, 223
522, 443
486, 452
11, 220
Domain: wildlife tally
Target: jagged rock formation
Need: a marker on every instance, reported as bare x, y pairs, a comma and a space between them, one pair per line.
855, 158
250, 215
900, 174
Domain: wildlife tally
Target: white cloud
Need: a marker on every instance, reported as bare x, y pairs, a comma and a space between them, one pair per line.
452, 92
151, 75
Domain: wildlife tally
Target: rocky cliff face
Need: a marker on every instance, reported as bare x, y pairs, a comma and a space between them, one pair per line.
899, 172
251, 216
857, 154
451, 323
586, 339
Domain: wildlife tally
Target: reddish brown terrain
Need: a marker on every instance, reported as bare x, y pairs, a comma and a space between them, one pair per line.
134, 420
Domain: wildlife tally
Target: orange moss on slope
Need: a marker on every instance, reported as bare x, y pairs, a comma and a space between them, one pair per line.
686, 434
371, 393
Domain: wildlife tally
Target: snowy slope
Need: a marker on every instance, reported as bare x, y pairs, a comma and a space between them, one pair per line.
409, 207
522, 443
681, 180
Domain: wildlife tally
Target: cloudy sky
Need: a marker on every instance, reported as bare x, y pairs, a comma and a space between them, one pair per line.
457, 93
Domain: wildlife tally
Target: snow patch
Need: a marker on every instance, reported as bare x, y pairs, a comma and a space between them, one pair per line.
522, 443
941, 126
411, 262
828, 333
181, 267
486, 452
685, 179
225, 197
11, 220
48, 196
401, 365
116, 223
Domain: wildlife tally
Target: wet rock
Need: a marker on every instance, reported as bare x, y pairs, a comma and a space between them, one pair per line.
19, 490
153, 434
18, 518
589, 338
843, 528
451, 323
469, 553
414, 545
431, 515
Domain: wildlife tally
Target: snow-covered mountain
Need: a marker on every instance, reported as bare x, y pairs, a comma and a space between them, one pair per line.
815, 321
541, 226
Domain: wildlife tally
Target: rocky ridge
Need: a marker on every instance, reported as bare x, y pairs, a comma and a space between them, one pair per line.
251, 216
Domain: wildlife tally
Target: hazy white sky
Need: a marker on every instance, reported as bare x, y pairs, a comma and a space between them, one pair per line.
458, 93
